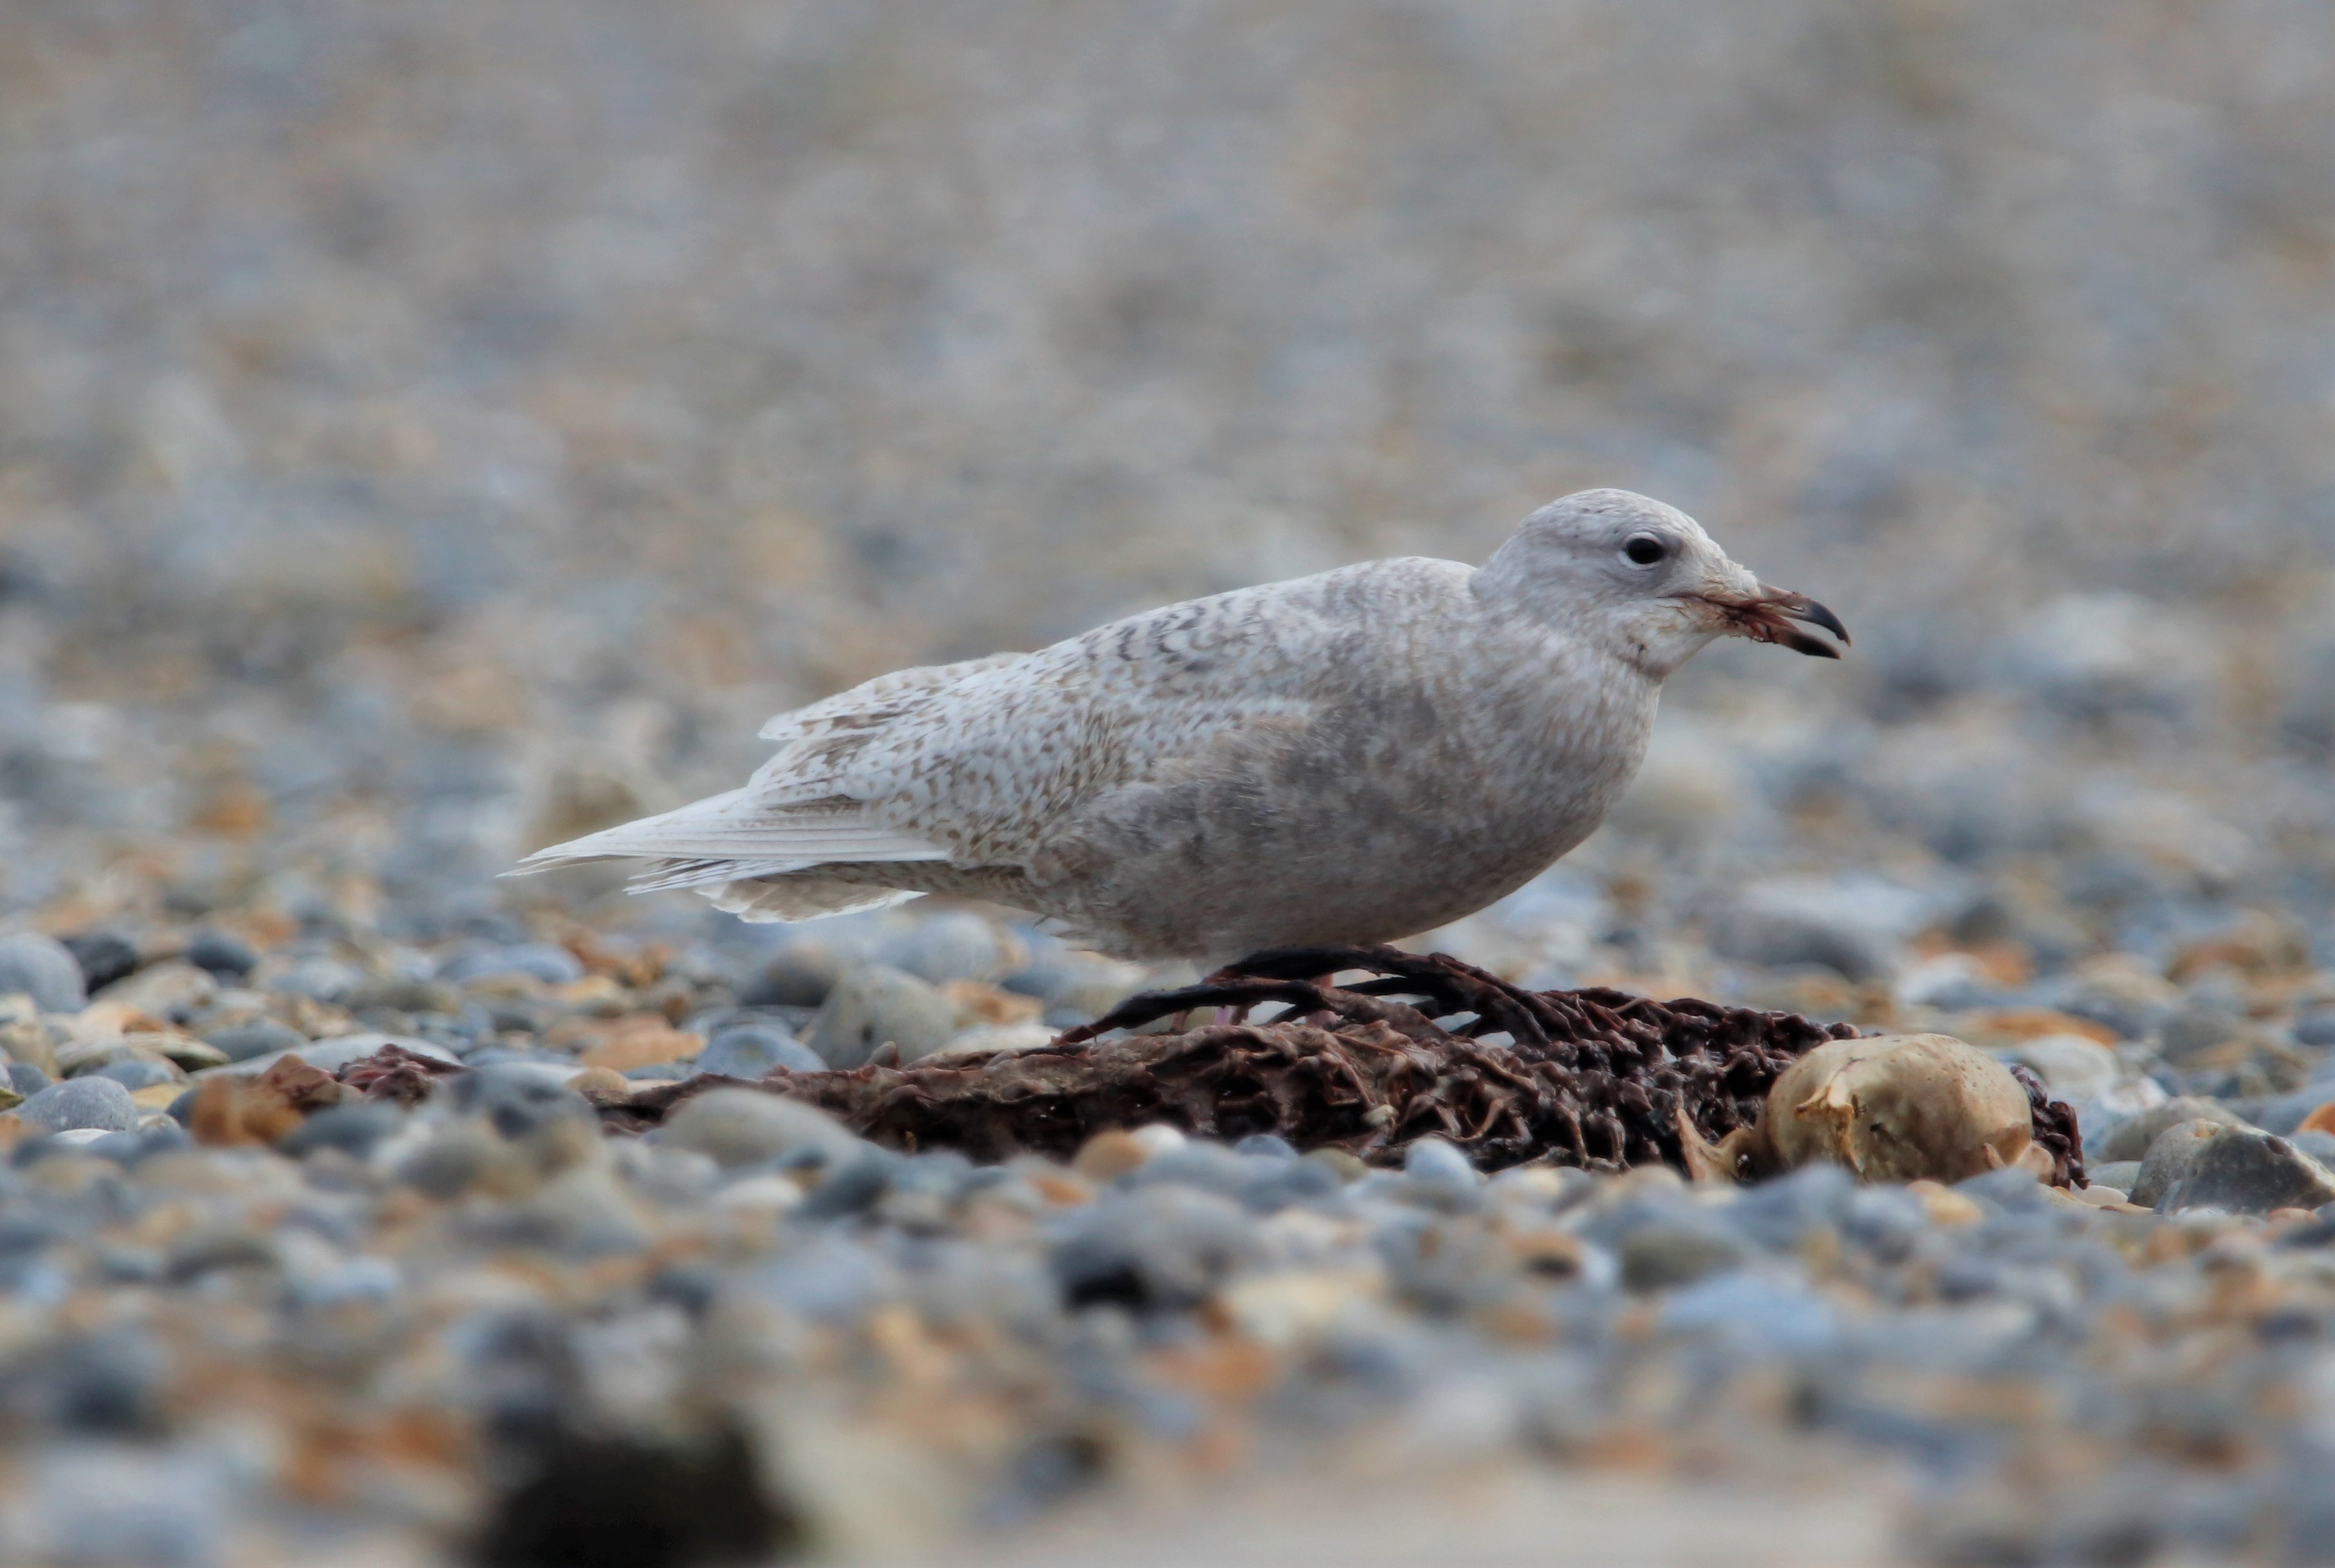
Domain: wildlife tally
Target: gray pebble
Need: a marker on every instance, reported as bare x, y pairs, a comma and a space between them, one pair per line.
955, 947
1665, 1255
355, 1128
447, 1165
520, 1100
134, 1072
80, 1102
104, 957
544, 961
1431, 1159
2247, 1172
753, 1050
875, 1005
2315, 1029
2119, 1174
799, 974
26, 1079
2171, 1156
326, 980
42, 969
229, 957
2131, 1138
242, 1041
743, 1126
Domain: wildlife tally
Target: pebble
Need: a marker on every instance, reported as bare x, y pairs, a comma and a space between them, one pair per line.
2242, 1172
40, 967
2172, 1155
1664, 1255
80, 1102
799, 974
229, 957
2131, 1138
536, 960
953, 947
744, 1127
754, 1050
103, 957
875, 1005
260, 1037
135, 1072
520, 1100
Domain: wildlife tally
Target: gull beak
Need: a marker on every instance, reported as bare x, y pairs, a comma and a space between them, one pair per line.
1767, 616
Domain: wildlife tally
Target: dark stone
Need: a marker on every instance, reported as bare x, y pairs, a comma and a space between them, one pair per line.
104, 957
2171, 1154
2315, 1028
135, 1072
242, 1041
623, 1502
1662, 1255
229, 958
2249, 1172
353, 1129
2131, 1138
518, 1101
799, 974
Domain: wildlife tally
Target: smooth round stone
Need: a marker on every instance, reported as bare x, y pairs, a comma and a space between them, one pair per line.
799, 974
754, 1050
1272, 1146
2315, 1029
41, 968
520, 1100
2171, 1156
446, 1166
1663, 1255
136, 1072
742, 1126
1430, 1159
2071, 1064
80, 1102
1754, 1313
2119, 1174
26, 1079
2131, 1137
355, 1128
540, 960
876, 1005
104, 956
261, 1036
326, 980
2246, 1172
945, 947
229, 957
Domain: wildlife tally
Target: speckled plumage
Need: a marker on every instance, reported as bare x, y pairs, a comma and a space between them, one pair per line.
1349, 757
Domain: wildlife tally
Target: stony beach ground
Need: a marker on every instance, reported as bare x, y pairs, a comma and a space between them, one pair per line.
428, 432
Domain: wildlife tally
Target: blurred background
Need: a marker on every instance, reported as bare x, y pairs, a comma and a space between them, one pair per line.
427, 429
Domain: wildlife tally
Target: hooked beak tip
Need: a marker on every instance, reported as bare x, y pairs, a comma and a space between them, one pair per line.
1767, 617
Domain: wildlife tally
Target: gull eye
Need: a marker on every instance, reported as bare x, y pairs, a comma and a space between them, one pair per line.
1645, 550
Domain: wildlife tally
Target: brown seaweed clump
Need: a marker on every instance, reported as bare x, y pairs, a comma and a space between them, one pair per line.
1595, 1077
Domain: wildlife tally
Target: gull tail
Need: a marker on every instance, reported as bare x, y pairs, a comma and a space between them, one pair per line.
735, 837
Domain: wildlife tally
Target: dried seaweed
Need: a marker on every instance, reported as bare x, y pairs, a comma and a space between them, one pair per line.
1592, 1078
2055, 1132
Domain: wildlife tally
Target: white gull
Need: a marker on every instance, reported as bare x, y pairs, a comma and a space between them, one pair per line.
1346, 758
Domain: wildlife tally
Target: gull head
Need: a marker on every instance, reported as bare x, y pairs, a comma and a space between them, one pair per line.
1644, 580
